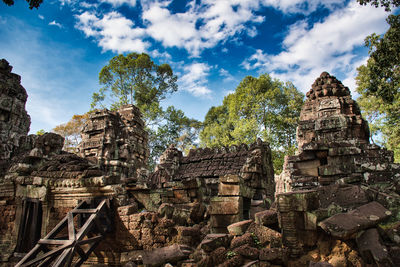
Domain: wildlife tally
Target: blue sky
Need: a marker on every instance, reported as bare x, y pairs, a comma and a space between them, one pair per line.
211, 45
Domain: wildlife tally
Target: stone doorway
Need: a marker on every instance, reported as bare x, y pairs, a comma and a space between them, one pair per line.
30, 225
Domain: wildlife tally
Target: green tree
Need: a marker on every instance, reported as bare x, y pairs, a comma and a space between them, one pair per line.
382, 3
32, 3
177, 129
40, 132
381, 76
136, 79
260, 107
378, 83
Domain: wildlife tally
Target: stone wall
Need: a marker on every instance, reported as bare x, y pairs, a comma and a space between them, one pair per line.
14, 120
116, 141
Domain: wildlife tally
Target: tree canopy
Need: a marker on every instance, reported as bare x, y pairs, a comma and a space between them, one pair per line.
383, 3
32, 3
71, 131
381, 76
260, 107
378, 83
136, 79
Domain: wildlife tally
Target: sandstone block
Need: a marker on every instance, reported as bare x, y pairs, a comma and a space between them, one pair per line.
214, 241
127, 210
246, 239
229, 178
371, 248
306, 200
222, 221
266, 217
226, 205
159, 256
228, 189
274, 255
265, 235
345, 225
239, 228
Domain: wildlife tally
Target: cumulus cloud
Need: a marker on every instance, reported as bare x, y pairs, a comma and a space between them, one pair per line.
302, 6
325, 46
54, 23
194, 79
226, 75
117, 3
113, 32
201, 26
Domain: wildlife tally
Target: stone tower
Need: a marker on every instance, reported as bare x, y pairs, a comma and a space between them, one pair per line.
116, 141
333, 143
14, 120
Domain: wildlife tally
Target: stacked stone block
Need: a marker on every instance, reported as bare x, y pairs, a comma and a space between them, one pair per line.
116, 141
143, 230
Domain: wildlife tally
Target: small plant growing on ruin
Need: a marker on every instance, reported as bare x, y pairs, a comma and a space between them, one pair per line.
230, 254
256, 240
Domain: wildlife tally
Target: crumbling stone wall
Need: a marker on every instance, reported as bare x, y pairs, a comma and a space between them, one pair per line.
14, 120
116, 141
230, 182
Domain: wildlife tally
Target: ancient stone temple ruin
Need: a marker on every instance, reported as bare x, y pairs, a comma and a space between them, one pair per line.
116, 141
336, 202
338, 181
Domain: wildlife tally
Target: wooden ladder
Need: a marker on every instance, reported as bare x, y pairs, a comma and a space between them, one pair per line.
74, 249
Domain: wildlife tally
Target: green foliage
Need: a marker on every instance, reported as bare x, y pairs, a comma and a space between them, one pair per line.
71, 131
256, 240
260, 107
40, 132
136, 79
32, 3
230, 254
378, 83
381, 76
174, 128
382, 3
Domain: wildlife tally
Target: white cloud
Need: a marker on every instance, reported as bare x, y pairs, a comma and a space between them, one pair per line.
201, 26
113, 32
54, 23
40, 17
194, 79
326, 46
117, 3
302, 6
226, 75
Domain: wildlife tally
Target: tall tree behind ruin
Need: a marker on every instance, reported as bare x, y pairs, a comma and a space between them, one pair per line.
378, 83
260, 107
136, 79
71, 131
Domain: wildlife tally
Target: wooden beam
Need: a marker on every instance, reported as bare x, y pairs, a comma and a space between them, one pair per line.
90, 240
71, 228
48, 254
